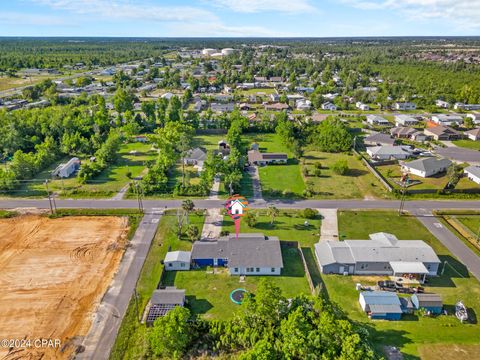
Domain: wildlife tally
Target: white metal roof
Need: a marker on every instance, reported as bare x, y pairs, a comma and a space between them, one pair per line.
408, 267
183, 256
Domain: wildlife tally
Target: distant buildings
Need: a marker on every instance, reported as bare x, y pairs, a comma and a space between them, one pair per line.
404, 106
377, 120
405, 120
443, 133
387, 152
447, 119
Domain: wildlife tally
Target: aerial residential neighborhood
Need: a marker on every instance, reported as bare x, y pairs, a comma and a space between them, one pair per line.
239, 180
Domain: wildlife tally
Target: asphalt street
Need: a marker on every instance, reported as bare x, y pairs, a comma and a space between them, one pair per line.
209, 204
108, 318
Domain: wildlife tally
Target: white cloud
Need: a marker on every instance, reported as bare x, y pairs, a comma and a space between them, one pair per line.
16, 18
252, 6
464, 13
122, 9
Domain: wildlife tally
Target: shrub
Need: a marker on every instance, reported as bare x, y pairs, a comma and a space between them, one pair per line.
340, 167
309, 213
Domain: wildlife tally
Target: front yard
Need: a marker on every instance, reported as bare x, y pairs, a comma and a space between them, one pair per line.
413, 332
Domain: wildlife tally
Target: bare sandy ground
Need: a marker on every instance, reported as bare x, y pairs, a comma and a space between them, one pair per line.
53, 274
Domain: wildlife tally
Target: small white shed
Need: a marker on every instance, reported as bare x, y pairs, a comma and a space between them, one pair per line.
177, 260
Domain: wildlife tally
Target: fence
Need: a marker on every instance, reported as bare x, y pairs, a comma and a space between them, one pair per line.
375, 172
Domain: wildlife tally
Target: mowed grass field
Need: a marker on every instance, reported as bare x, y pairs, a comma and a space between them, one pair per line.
358, 183
278, 181
413, 332
131, 159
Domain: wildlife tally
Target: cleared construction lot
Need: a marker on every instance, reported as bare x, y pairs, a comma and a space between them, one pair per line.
53, 274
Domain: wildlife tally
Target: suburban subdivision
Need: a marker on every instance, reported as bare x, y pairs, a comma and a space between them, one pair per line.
238, 198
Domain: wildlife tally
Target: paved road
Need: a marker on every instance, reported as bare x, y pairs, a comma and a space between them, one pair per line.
209, 204
101, 337
451, 242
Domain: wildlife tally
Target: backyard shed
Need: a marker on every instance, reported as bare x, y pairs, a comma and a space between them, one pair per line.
430, 302
164, 300
177, 260
381, 305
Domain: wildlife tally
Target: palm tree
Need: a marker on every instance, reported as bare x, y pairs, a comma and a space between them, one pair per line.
273, 212
188, 206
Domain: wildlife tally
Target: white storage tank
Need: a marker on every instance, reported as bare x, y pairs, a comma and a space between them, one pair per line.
228, 51
209, 52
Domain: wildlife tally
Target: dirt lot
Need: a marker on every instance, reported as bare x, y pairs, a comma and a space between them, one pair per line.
53, 274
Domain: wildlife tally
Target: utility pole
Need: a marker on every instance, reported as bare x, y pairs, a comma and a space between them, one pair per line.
49, 198
139, 197
136, 302
405, 181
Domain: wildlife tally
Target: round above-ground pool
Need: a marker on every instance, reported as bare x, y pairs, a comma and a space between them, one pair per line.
237, 295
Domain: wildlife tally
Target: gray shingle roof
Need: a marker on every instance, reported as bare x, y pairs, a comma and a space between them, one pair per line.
380, 138
474, 170
168, 296
429, 300
428, 164
381, 247
183, 256
249, 250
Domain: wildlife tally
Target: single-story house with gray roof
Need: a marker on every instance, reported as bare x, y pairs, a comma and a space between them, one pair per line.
257, 158
379, 139
473, 173
383, 254
388, 152
426, 167
250, 254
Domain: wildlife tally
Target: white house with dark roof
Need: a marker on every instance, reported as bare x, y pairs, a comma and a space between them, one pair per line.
426, 167
447, 119
388, 152
177, 260
383, 254
473, 173
404, 106
473, 134
377, 120
405, 120
250, 254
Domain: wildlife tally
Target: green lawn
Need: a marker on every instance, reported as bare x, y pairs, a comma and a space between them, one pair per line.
208, 294
131, 339
393, 172
110, 181
288, 226
278, 181
469, 144
358, 183
414, 331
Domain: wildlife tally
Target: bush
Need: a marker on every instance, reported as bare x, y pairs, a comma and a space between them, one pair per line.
251, 219
309, 213
340, 167
317, 172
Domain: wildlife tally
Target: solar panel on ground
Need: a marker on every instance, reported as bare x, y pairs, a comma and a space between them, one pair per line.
158, 310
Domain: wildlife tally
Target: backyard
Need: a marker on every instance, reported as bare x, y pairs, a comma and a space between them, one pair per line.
393, 173
131, 339
415, 331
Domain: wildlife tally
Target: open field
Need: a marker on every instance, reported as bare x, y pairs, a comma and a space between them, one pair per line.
50, 284
414, 331
356, 184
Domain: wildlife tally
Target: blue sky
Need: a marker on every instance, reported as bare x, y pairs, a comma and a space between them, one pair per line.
279, 18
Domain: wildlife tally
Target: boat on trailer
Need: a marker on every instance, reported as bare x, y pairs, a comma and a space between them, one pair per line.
461, 311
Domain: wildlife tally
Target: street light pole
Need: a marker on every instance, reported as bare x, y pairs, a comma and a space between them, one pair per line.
49, 199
